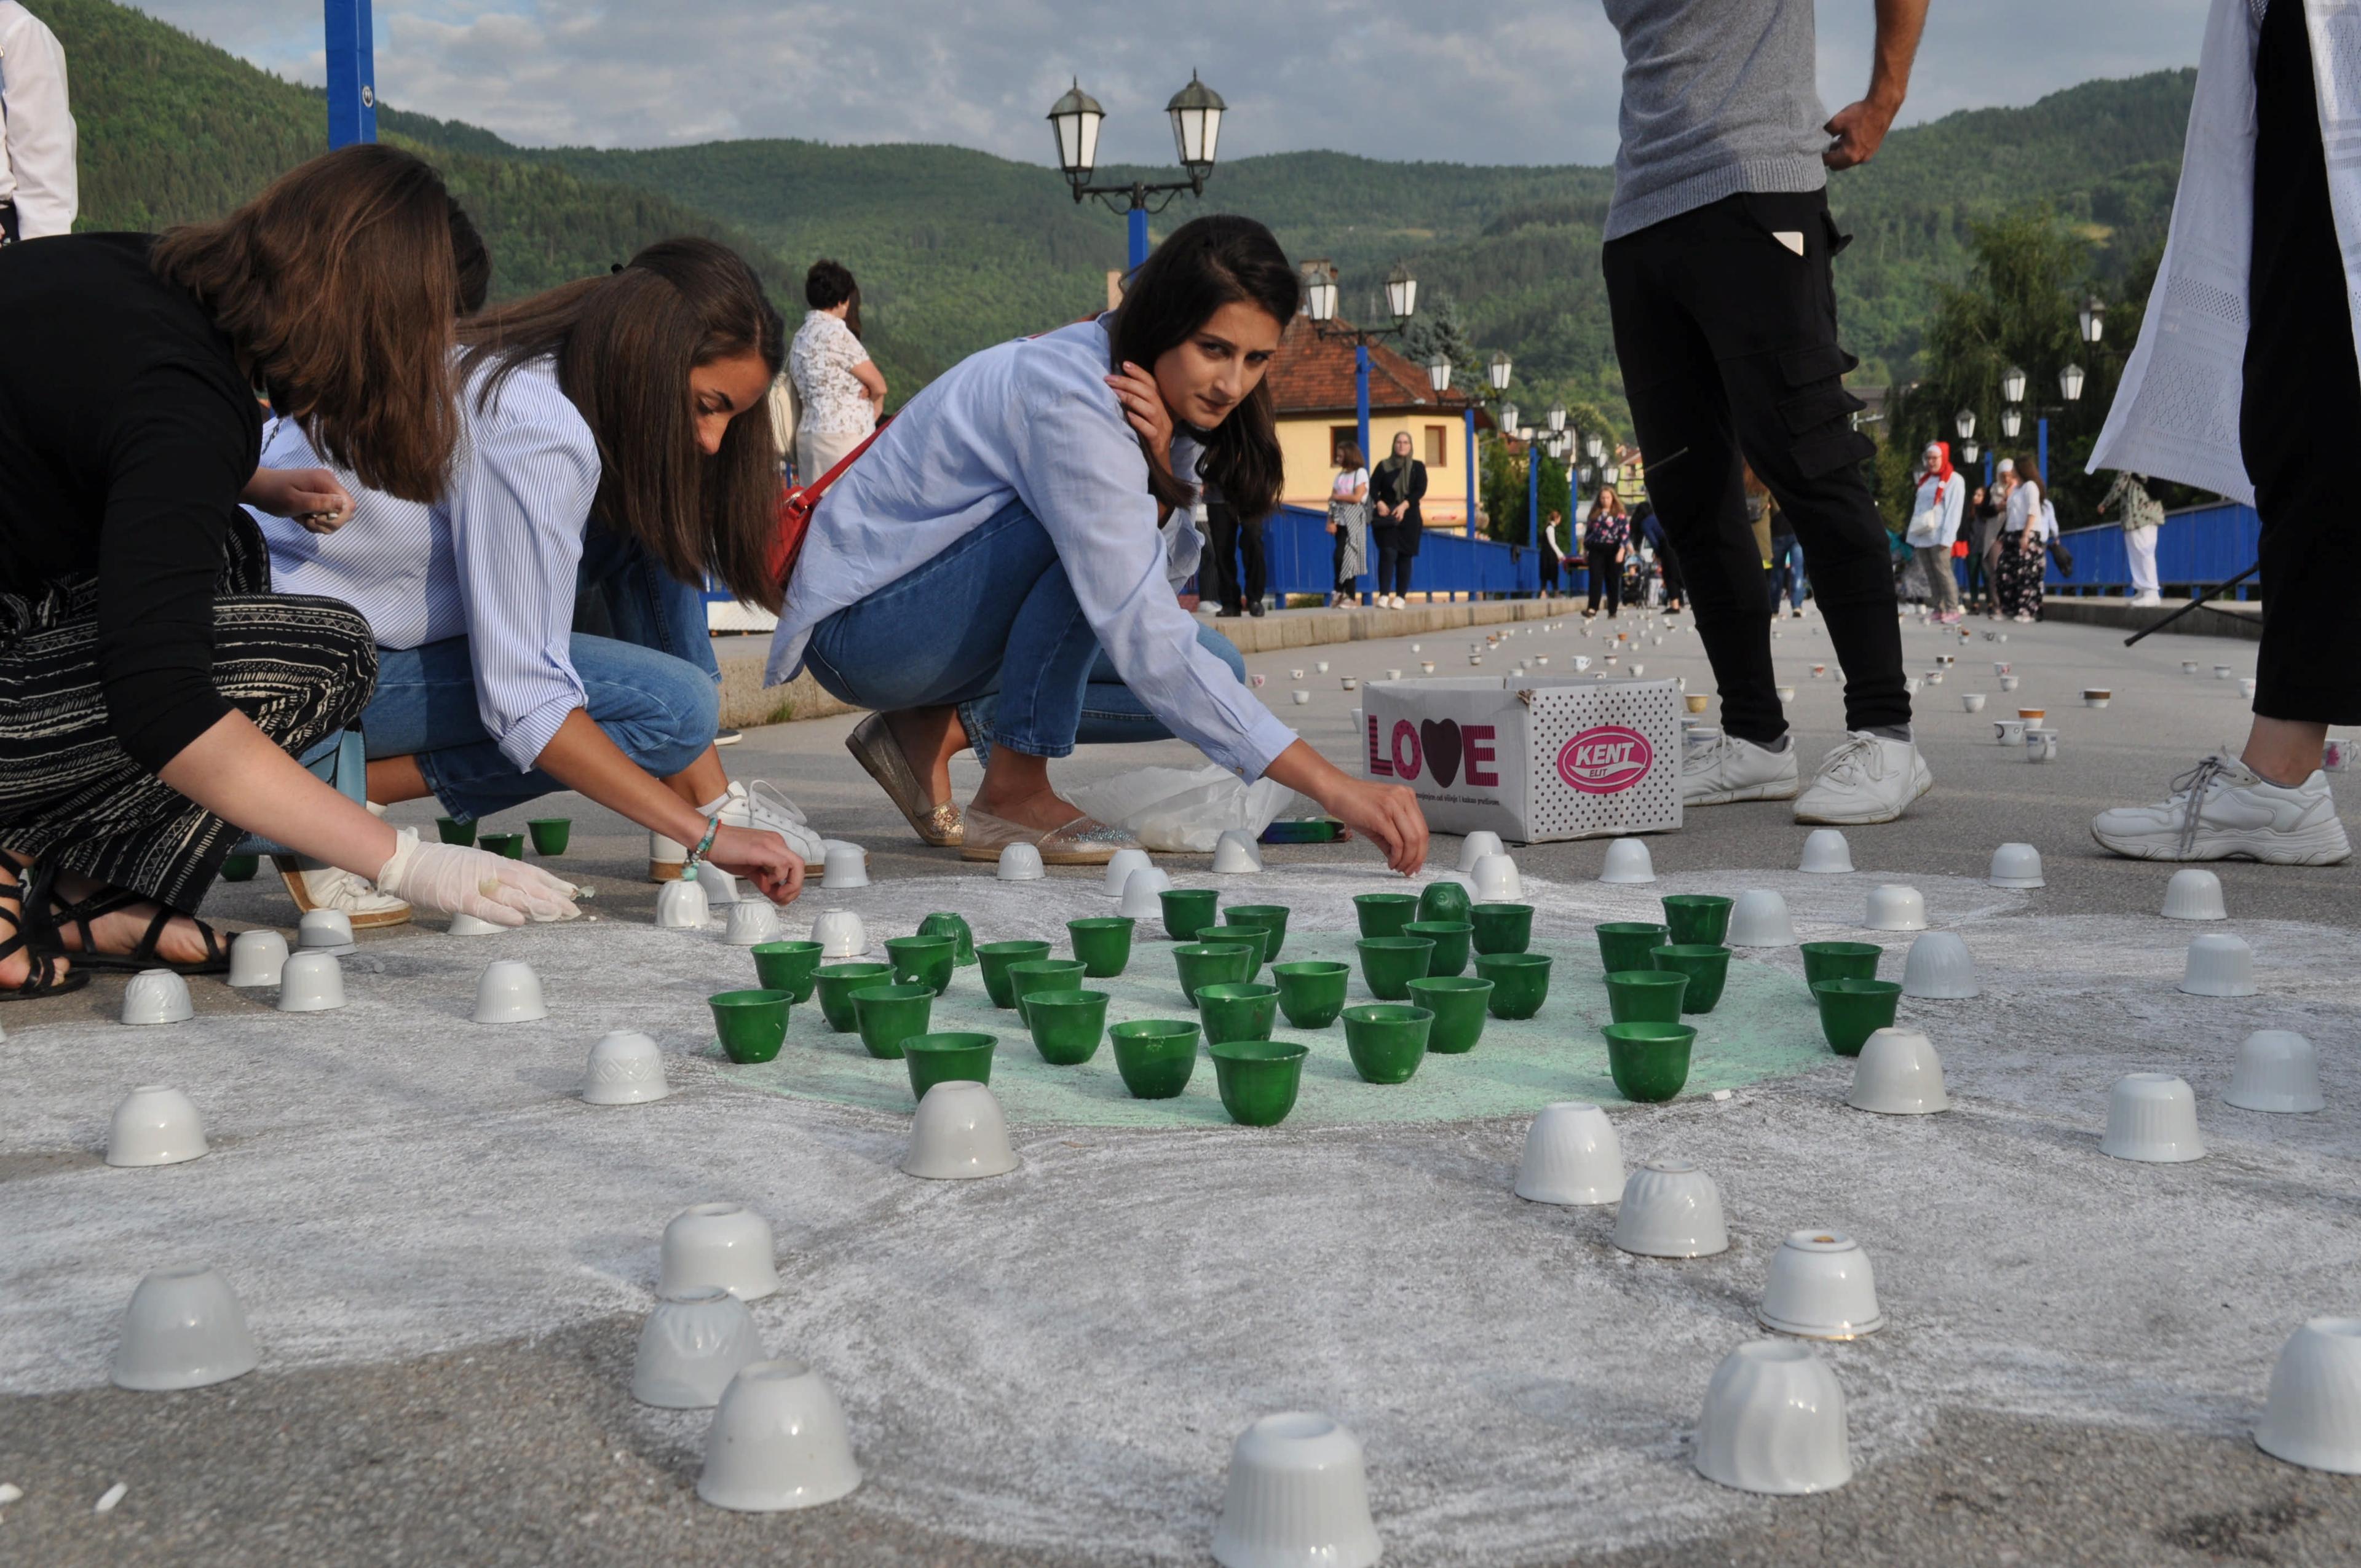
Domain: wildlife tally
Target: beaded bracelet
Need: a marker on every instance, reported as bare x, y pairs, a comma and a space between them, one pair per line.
712, 827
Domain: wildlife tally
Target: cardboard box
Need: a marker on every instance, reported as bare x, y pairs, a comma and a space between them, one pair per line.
1534, 759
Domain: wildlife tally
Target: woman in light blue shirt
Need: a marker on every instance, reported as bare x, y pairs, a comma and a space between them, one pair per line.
998, 569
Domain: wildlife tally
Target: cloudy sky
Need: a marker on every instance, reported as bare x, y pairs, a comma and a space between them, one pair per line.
1507, 82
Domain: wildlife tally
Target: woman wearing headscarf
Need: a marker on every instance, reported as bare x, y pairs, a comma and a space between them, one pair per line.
1395, 489
1935, 514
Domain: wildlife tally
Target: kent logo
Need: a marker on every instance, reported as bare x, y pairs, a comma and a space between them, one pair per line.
1605, 759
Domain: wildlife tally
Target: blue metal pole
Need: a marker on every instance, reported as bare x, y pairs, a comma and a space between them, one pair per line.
1138, 216
1361, 414
2041, 452
1532, 513
352, 72
1468, 413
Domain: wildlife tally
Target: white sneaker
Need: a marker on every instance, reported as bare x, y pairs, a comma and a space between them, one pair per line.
1866, 779
331, 887
2148, 601
1731, 770
2221, 810
773, 812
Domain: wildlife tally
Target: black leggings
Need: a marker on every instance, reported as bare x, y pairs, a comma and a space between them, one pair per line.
1606, 575
1393, 570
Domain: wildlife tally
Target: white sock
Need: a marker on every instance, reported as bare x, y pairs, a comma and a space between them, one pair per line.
713, 807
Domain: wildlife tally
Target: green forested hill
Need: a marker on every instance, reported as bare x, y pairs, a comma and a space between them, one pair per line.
957, 249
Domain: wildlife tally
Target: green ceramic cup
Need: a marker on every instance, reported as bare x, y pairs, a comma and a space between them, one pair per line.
889, 1014
1707, 967
1258, 1079
1649, 1062
1520, 983
1384, 913
1387, 1040
791, 967
550, 834
955, 1057
994, 958
1271, 918
1187, 911
1312, 991
453, 831
1389, 963
1841, 961
240, 868
1623, 945
1451, 939
922, 960
509, 844
836, 983
1694, 917
1066, 1024
1645, 995
1459, 1003
1210, 963
943, 923
1042, 974
752, 1024
1256, 938
1238, 1010
1853, 1010
1103, 943
1444, 901
1156, 1055
1502, 927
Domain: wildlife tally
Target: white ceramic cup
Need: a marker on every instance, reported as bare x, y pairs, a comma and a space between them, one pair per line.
691, 1346
2009, 731
1759, 919
1496, 880
2010, 683
2195, 894
1670, 1208
157, 996
681, 907
1235, 853
1299, 696
1140, 890
154, 1124
1349, 683
1939, 969
1628, 861
750, 921
778, 1441
719, 887
1298, 1497
1898, 1074
1295, 674
1774, 1423
1972, 702
1397, 674
1477, 845
324, 931
1119, 868
2277, 1070
1893, 907
958, 1134
466, 925
2219, 965
724, 1246
2040, 745
846, 866
1572, 1156
311, 983
2223, 672
2313, 1415
1320, 667
625, 1069
1826, 852
509, 992
2016, 865
1020, 863
254, 958
2152, 1117
183, 1329
1820, 1286
840, 934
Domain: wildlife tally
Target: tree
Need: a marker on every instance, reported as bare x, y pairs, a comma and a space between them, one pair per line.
1437, 330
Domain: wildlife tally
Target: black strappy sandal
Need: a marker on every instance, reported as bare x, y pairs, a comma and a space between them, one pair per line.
44, 979
49, 939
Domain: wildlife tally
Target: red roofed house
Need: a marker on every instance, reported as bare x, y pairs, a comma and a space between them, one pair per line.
1312, 381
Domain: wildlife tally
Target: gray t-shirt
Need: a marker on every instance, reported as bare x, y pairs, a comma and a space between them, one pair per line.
1719, 96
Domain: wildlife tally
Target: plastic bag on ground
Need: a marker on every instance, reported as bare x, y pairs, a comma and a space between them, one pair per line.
1187, 809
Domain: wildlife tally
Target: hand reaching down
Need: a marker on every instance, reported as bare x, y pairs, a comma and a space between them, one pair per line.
462, 880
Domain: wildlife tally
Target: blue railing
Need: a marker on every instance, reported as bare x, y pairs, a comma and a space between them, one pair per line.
1301, 554
2196, 547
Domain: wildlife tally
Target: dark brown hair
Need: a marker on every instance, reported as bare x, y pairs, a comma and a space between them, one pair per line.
1349, 455
1205, 264
2028, 469
624, 345
830, 283
336, 287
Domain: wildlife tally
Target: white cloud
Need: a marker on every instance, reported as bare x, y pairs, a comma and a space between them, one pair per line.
1516, 81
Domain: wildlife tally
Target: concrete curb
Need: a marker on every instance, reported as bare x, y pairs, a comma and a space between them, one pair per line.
2242, 618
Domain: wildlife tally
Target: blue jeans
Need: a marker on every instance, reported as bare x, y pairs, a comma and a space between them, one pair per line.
644, 603
1788, 562
995, 605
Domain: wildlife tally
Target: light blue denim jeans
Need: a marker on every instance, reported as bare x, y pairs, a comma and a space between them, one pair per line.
990, 626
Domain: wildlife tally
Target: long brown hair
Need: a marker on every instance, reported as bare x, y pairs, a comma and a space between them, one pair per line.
1207, 263
624, 346
336, 287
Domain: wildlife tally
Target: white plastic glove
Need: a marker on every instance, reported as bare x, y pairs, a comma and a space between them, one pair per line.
462, 880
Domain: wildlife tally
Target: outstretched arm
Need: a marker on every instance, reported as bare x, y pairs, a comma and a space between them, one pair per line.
1857, 129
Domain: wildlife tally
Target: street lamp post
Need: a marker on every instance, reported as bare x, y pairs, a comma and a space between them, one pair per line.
352, 72
1402, 300
1196, 113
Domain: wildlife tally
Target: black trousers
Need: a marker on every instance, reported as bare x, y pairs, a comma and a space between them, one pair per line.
1728, 341
2302, 411
1229, 539
1393, 567
301, 668
1606, 575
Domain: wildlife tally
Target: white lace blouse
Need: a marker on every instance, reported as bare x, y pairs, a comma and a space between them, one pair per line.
820, 363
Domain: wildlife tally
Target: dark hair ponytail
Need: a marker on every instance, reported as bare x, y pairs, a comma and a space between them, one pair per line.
1205, 264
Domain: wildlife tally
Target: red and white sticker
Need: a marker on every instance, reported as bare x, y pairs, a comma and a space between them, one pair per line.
1605, 759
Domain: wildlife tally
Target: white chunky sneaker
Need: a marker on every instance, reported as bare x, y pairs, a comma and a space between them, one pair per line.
1732, 769
765, 807
2221, 810
1866, 779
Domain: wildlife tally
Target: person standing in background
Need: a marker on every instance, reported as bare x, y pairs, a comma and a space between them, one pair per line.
1550, 556
1985, 505
1228, 538
39, 186
1348, 519
1786, 566
2143, 515
1934, 523
2023, 546
838, 387
1395, 489
1605, 539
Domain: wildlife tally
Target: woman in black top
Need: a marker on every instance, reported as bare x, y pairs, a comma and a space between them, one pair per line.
151, 686
1395, 486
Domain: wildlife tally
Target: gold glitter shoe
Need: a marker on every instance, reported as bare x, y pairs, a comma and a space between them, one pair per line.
1084, 841
873, 745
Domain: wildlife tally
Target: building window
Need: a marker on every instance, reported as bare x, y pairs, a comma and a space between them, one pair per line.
1435, 446
1340, 436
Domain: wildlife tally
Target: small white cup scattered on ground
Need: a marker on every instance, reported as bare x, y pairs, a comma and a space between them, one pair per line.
691, 1346
2096, 697
1235, 853
720, 887
1349, 683
1396, 675
2195, 894
752, 920
1020, 863
681, 907
2223, 672
1787, 694
2010, 683
2277, 1070
846, 866
509, 992
184, 1329
2219, 965
254, 958
1496, 880
1299, 696
841, 933
1938, 968
1297, 1496
2313, 1415
1477, 845
1898, 1074
1893, 907
1139, 892
154, 1124
2016, 865
311, 983
1572, 1157
2040, 745
1320, 667
625, 1069
959, 1133
325, 931
1972, 702
1826, 852
1774, 1423
157, 996
724, 1246
778, 1441
1119, 868
1628, 862
466, 925
2246, 686
1820, 1286
1295, 674
1425, 667
2009, 731
1759, 919
1670, 1208
2152, 1117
